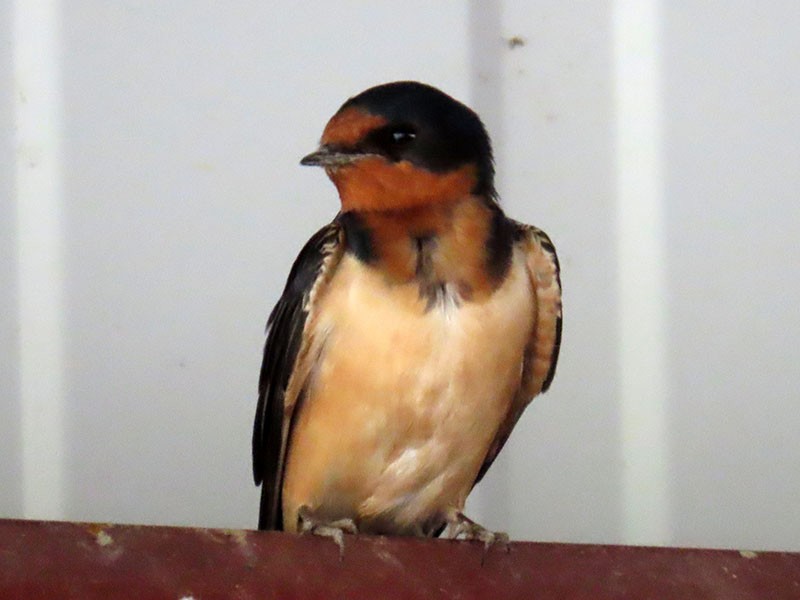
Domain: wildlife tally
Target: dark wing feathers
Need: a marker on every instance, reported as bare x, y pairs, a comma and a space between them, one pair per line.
285, 329
550, 250
541, 355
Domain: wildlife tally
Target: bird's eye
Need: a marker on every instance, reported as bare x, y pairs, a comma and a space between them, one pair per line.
392, 141
403, 136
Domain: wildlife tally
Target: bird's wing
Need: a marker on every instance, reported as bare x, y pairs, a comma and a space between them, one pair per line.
541, 354
286, 364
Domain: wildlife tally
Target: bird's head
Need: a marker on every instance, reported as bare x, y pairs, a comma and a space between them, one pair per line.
404, 145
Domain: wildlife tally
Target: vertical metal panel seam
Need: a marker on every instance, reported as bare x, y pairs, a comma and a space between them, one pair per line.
40, 268
641, 257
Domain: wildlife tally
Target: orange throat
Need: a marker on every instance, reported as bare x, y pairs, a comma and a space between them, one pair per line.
437, 243
375, 184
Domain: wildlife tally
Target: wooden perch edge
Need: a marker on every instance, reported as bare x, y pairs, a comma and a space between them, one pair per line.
77, 560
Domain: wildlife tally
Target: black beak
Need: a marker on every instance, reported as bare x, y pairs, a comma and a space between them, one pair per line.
330, 157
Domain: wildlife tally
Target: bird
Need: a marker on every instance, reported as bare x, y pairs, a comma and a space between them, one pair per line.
412, 332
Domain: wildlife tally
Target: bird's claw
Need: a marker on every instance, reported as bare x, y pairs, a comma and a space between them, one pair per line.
463, 528
309, 523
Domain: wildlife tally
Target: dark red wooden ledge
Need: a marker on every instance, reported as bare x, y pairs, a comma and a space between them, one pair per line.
73, 560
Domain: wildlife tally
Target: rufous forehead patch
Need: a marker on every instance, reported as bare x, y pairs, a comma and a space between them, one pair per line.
348, 127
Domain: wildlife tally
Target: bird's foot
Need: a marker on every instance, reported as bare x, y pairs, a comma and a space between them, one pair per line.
310, 523
460, 526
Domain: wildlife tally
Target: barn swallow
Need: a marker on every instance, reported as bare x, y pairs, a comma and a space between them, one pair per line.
413, 330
